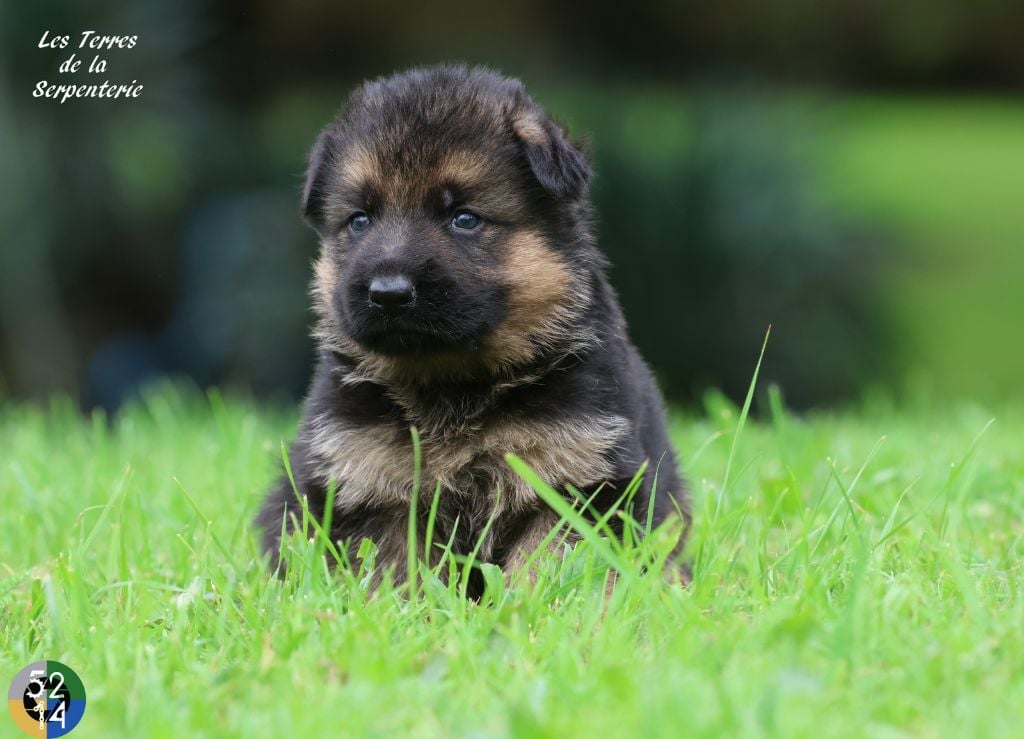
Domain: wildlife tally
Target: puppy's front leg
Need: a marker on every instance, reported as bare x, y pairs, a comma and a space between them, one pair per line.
531, 537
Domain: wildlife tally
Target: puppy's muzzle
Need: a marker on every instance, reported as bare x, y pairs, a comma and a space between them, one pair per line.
392, 294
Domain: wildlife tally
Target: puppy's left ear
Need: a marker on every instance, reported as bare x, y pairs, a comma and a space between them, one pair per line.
559, 165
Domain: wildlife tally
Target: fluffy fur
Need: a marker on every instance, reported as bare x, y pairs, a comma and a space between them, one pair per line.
510, 339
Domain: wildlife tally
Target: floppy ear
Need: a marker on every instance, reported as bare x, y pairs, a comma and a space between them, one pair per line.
559, 165
315, 189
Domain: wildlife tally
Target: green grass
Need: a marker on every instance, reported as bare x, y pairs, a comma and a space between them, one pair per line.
860, 576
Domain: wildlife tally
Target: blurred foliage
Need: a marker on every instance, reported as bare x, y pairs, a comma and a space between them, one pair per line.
715, 232
161, 236
946, 177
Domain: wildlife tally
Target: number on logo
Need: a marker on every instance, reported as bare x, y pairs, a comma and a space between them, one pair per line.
60, 684
40, 682
57, 715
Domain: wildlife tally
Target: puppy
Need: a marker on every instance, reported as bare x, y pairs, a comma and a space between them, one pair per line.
460, 290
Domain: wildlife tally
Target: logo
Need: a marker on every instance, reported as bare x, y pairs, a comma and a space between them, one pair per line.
46, 699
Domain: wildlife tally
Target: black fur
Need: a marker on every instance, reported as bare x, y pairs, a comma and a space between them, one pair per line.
464, 362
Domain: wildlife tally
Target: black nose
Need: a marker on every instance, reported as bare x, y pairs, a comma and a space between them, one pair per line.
392, 293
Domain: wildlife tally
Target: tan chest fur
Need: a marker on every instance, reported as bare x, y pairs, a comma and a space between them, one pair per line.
374, 464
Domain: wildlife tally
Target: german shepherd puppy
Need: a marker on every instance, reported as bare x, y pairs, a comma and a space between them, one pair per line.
459, 290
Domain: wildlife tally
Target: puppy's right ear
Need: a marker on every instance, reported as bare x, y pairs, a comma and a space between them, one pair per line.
314, 194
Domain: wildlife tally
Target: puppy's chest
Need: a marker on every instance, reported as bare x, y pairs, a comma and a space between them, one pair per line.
375, 463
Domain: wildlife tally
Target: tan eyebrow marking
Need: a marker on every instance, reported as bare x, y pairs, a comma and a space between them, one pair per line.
465, 168
358, 167
356, 170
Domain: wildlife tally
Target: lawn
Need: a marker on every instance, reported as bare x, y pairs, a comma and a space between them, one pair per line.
858, 574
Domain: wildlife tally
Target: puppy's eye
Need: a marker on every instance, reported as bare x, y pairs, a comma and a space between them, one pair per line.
359, 222
465, 220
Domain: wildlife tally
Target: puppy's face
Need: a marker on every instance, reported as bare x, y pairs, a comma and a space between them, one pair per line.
447, 205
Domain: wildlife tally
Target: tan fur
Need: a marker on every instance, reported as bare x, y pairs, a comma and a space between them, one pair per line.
464, 168
543, 298
375, 463
530, 130
359, 168
325, 282
369, 463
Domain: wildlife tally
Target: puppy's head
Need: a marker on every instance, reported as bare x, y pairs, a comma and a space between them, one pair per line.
453, 218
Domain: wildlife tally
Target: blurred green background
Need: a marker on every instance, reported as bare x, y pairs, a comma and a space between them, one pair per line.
851, 173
